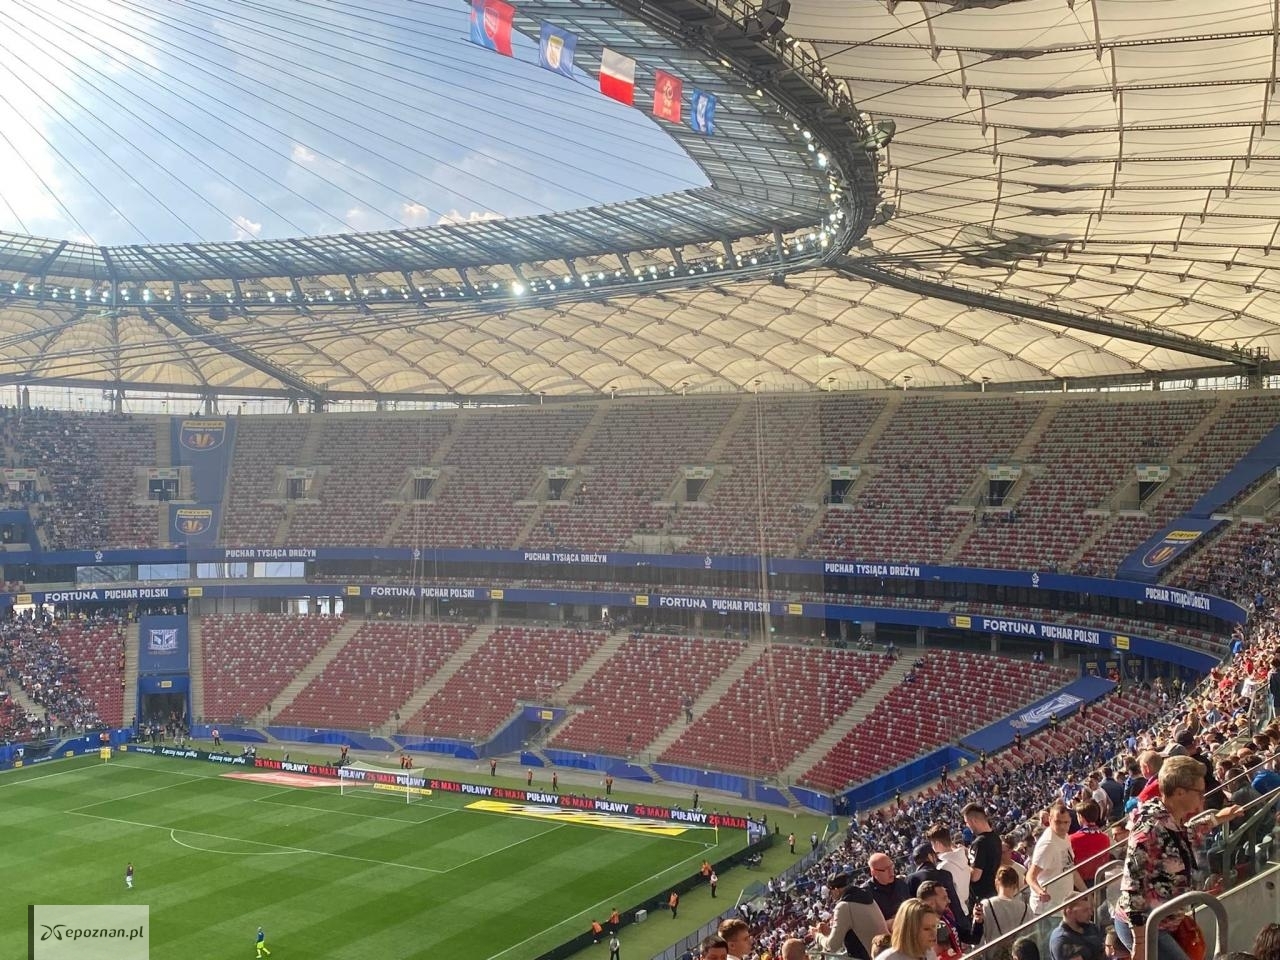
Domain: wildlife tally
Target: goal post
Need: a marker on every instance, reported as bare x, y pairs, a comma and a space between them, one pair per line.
385, 783
383, 791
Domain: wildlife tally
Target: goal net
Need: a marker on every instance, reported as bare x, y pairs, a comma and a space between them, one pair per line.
383, 783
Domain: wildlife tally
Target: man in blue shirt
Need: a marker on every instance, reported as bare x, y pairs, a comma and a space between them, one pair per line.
1077, 937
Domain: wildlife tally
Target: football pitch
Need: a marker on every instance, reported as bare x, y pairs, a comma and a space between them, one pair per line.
364, 876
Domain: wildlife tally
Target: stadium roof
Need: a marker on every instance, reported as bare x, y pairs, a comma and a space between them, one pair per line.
1081, 191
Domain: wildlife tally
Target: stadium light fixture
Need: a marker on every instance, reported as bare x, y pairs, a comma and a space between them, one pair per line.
879, 135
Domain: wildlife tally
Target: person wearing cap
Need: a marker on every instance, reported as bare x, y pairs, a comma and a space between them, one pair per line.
855, 919
927, 870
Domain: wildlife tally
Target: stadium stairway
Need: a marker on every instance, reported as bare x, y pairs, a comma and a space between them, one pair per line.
1152, 503
572, 458
195, 667
861, 709
729, 431
710, 697
164, 448
308, 673
573, 686
21, 699
306, 458
1027, 445
583, 443
1021, 454
131, 647
877, 427
472, 645
404, 511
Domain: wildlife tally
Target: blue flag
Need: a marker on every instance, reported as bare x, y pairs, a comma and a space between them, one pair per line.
555, 50
702, 112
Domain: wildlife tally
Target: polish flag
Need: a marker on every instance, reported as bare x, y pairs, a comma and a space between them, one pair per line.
617, 77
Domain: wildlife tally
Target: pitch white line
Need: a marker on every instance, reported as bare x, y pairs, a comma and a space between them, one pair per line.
230, 853
261, 843
140, 793
49, 776
344, 813
517, 843
595, 906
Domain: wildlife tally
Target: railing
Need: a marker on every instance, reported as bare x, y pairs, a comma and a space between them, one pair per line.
689, 943
1186, 904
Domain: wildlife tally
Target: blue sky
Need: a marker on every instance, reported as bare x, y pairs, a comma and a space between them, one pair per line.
135, 121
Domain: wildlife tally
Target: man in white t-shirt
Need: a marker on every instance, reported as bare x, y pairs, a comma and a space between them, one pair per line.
1052, 874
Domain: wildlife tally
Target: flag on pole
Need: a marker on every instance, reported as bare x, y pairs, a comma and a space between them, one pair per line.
555, 50
491, 25
667, 91
702, 112
617, 77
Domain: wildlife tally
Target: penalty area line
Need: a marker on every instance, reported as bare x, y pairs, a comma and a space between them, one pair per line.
293, 791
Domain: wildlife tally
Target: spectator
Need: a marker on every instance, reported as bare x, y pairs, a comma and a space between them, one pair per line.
996, 916
887, 889
914, 934
855, 919
1052, 874
1089, 844
1266, 946
1077, 937
1159, 859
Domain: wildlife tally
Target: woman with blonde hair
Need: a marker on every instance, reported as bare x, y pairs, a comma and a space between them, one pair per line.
915, 932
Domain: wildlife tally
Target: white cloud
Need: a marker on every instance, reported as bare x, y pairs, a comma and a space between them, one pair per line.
301, 154
475, 216
414, 214
246, 229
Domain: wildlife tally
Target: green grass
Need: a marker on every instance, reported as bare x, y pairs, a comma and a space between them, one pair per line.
352, 877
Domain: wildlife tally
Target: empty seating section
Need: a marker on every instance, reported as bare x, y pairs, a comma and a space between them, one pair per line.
262, 445
121, 446
496, 459
928, 458
845, 420
250, 657
951, 694
1242, 425
771, 467
373, 674
919, 497
640, 691
784, 700
97, 650
366, 461
1088, 450
515, 663
632, 462
88, 483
